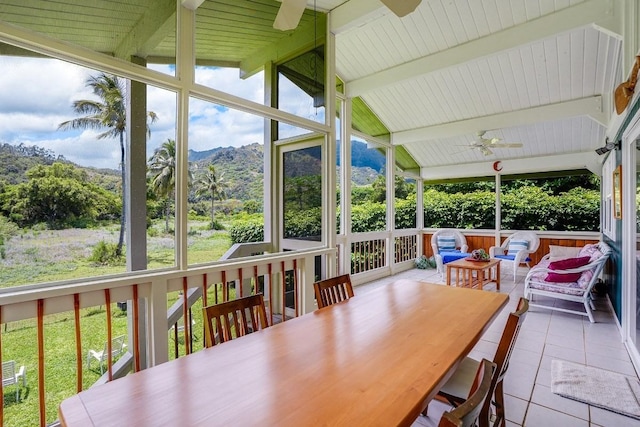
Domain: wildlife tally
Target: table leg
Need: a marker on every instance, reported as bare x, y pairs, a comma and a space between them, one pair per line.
448, 282
481, 278
498, 276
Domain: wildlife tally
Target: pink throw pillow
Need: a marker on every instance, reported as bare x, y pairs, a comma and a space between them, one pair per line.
562, 278
566, 264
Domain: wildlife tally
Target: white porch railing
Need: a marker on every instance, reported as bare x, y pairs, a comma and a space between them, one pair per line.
146, 294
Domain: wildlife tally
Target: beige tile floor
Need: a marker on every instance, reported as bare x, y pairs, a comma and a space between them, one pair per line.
545, 336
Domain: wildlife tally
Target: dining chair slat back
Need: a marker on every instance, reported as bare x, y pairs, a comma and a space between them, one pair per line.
334, 290
468, 413
452, 391
235, 318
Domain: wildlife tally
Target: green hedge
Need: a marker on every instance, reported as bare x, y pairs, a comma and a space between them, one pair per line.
524, 208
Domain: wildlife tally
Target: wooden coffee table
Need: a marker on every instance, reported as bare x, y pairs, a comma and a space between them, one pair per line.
485, 273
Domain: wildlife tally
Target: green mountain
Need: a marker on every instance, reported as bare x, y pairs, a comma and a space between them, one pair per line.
242, 166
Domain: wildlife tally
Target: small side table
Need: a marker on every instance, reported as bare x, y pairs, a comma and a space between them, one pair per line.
486, 272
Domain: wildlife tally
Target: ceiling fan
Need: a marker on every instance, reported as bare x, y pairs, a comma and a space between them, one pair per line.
291, 11
486, 144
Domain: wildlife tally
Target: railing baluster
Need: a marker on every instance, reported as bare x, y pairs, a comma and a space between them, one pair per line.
41, 362
136, 331
79, 359
255, 280
284, 291
295, 286
185, 317
269, 276
225, 287
240, 282
204, 290
107, 298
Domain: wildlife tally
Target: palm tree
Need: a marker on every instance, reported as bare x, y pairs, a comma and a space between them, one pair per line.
212, 185
110, 113
162, 172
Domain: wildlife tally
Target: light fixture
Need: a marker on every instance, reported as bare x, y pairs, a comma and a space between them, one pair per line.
608, 146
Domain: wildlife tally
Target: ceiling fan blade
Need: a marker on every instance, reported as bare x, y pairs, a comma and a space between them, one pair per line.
507, 145
289, 14
484, 150
401, 7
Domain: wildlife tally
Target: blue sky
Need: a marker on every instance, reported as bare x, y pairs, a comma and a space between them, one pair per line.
36, 95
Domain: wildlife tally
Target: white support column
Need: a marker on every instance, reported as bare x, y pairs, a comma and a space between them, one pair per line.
307, 298
419, 214
271, 185
391, 205
345, 190
185, 68
158, 342
136, 196
329, 165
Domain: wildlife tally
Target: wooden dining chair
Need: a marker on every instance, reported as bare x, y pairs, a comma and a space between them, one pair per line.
233, 319
468, 413
334, 290
457, 388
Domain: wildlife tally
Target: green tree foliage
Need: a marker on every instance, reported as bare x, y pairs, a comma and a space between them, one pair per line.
405, 216
247, 228
361, 194
369, 216
211, 185
459, 210
109, 112
59, 195
161, 171
305, 223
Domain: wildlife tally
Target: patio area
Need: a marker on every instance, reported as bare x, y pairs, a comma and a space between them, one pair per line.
545, 336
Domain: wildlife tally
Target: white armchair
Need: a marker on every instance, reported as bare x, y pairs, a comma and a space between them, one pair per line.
447, 240
516, 249
117, 348
12, 376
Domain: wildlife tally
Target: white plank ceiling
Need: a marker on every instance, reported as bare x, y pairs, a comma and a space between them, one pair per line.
539, 72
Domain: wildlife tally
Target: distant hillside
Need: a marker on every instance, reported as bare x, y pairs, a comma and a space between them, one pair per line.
15, 160
363, 157
242, 166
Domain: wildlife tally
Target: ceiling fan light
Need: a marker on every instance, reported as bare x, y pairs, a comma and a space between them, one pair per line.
484, 150
289, 14
401, 7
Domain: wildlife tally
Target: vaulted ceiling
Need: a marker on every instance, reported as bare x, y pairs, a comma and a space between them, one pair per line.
532, 71
538, 72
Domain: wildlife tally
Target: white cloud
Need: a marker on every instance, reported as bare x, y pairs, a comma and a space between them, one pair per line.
37, 94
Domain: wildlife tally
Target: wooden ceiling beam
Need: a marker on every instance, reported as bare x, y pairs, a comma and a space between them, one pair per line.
579, 15
570, 161
590, 106
355, 13
153, 26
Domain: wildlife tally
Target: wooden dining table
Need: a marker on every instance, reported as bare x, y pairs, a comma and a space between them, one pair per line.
376, 359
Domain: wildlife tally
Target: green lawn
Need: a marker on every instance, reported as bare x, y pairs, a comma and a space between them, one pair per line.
50, 255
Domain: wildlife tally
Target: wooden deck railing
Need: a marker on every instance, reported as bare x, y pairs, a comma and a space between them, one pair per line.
45, 308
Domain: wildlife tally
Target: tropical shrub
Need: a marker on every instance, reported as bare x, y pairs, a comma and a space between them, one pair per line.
106, 254
247, 228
